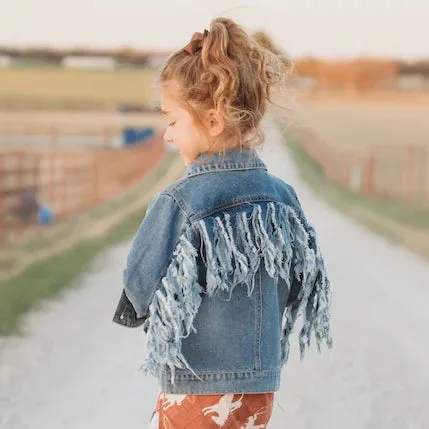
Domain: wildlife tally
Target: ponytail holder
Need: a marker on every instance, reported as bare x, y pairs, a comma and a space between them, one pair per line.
196, 43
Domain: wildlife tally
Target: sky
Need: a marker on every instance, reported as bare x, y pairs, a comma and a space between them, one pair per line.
323, 28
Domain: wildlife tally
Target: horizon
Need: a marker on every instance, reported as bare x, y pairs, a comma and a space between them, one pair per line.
166, 51
324, 29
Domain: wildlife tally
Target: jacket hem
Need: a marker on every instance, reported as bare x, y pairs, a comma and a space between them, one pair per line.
218, 383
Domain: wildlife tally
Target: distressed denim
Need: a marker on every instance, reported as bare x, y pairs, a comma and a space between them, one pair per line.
221, 267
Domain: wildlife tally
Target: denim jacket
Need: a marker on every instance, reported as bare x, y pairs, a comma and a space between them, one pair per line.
221, 267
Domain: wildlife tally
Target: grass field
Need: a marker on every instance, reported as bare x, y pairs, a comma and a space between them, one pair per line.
380, 96
339, 119
361, 125
55, 86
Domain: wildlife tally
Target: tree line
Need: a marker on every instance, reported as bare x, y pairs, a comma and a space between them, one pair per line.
354, 74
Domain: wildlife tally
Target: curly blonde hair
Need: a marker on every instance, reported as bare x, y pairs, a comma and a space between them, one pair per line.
231, 73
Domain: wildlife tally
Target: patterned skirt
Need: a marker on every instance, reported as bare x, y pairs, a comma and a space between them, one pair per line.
229, 411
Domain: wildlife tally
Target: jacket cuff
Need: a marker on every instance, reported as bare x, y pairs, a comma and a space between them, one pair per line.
126, 315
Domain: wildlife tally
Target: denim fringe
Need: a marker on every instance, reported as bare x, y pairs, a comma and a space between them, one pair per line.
276, 237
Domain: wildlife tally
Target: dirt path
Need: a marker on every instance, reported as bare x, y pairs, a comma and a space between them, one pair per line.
75, 369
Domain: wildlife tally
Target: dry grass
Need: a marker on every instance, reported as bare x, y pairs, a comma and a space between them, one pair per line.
400, 222
382, 147
361, 125
36, 122
381, 97
106, 88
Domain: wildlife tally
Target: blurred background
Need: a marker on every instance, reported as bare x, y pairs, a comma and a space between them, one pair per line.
81, 148
78, 85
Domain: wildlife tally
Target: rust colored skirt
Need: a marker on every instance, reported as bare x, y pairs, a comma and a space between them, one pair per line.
229, 411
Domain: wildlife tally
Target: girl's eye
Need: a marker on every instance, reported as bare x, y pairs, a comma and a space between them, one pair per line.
171, 123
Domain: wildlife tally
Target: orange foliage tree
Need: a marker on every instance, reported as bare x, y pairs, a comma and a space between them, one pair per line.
356, 75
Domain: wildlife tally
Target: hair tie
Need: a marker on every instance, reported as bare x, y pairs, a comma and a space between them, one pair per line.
196, 43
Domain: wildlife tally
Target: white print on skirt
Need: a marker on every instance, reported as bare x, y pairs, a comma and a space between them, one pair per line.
172, 400
251, 423
223, 409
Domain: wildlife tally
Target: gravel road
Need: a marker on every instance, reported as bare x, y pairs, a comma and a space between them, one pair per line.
75, 369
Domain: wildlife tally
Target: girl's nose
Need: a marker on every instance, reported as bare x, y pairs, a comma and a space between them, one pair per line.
167, 137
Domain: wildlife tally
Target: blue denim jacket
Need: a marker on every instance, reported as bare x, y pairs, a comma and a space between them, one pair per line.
219, 270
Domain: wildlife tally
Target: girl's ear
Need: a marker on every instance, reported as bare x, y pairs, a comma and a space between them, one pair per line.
215, 123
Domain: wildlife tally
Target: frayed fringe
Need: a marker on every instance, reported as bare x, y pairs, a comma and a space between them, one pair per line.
276, 237
316, 304
172, 311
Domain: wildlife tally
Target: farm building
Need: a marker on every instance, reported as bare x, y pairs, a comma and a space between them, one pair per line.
5, 61
89, 63
412, 82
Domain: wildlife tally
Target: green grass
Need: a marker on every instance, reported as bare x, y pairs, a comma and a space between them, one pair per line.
46, 279
347, 201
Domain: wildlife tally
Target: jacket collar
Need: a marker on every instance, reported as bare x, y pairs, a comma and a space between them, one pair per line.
233, 159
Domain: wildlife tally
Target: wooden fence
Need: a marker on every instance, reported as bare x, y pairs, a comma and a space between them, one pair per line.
58, 136
379, 171
67, 181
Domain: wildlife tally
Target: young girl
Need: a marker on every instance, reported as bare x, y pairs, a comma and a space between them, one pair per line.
224, 260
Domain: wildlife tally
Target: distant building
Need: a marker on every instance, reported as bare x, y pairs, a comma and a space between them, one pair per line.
89, 63
156, 61
412, 82
5, 61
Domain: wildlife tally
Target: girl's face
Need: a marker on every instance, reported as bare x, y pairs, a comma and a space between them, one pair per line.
182, 131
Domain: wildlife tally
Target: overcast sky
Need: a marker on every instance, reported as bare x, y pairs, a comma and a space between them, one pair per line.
326, 28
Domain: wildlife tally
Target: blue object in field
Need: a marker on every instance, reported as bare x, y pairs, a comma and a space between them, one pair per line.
133, 135
46, 215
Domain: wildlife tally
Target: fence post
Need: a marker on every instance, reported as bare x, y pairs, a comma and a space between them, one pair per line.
2, 211
19, 186
64, 184
96, 192
54, 135
425, 173
410, 172
368, 183
106, 133
51, 179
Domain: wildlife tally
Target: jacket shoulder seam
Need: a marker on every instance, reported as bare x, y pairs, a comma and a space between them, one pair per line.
180, 204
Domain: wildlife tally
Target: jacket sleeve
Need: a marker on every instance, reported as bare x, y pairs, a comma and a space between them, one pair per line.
151, 251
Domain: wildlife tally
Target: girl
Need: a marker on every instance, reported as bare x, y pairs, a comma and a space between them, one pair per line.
224, 260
